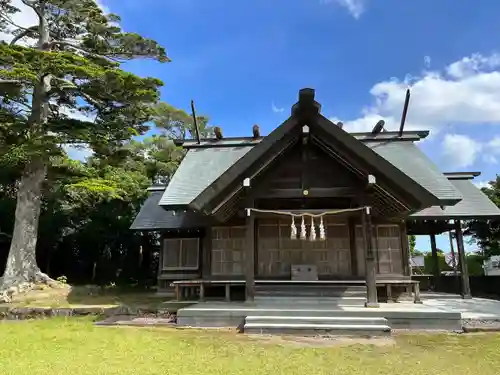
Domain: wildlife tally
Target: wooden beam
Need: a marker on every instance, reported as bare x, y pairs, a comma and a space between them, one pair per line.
405, 249
337, 192
280, 213
371, 278
466, 293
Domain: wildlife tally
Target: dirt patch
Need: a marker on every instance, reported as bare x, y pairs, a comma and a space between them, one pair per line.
323, 341
146, 320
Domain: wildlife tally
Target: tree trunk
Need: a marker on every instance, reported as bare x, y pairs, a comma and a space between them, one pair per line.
21, 262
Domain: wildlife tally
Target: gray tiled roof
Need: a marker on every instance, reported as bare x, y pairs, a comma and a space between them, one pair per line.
475, 204
154, 217
202, 166
199, 168
408, 157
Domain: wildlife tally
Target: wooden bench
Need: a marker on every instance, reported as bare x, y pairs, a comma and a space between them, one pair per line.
413, 285
183, 287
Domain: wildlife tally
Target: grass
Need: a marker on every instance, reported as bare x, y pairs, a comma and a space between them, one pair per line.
76, 346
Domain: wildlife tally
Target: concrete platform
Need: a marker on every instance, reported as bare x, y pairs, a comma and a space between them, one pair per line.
399, 316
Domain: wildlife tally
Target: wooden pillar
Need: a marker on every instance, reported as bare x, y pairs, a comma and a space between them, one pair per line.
206, 256
405, 249
435, 261
249, 245
466, 293
352, 247
371, 281
454, 264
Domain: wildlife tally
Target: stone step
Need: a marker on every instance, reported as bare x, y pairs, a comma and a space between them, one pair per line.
312, 301
304, 329
335, 320
234, 314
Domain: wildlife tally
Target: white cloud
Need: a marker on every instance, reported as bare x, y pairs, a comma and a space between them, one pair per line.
494, 144
482, 184
354, 7
276, 109
460, 150
472, 65
466, 92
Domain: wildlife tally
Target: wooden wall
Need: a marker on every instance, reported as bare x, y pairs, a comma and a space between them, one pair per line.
387, 240
276, 251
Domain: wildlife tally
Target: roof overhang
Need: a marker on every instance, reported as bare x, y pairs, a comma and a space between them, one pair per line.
475, 205
306, 112
410, 135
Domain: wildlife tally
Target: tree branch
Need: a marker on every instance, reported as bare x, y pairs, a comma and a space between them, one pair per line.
11, 82
24, 33
64, 43
32, 5
5, 18
66, 83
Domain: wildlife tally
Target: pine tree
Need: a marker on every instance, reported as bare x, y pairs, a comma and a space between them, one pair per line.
61, 84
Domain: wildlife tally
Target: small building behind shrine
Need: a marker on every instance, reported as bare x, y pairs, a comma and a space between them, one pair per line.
309, 203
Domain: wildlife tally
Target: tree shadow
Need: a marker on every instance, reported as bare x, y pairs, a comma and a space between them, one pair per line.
91, 296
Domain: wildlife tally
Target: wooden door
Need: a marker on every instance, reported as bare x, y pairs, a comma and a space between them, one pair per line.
277, 252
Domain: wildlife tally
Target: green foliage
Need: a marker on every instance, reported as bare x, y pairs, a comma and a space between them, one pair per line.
429, 263
412, 241
475, 264
63, 85
487, 233
88, 99
177, 124
62, 279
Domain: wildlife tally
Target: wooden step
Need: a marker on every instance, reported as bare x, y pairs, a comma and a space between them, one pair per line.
310, 290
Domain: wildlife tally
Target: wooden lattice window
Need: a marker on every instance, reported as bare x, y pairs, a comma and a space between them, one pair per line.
228, 250
181, 254
389, 249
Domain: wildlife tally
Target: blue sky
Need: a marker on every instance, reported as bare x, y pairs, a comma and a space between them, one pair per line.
243, 62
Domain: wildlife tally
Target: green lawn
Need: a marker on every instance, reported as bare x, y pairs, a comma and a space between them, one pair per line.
75, 346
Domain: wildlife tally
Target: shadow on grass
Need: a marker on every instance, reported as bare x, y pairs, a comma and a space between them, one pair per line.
95, 296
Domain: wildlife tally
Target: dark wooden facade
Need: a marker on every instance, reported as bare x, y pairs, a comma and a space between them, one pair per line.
250, 235
236, 225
